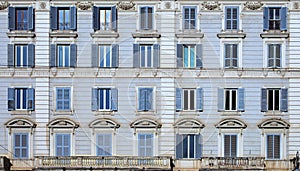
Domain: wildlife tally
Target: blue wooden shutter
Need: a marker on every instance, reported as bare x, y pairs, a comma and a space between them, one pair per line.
114, 18
149, 99
284, 100
179, 55
10, 55
264, 104
199, 56
143, 18
96, 18
95, 99
11, 99
199, 101
114, 99
179, 146
30, 99
221, 99
11, 18
283, 19
30, 18
73, 13
198, 146
266, 18
95, 55
31, 55
53, 18
178, 99
156, 55
241, 99
73, 55
142, 99
115, 55
136, 55
52, 61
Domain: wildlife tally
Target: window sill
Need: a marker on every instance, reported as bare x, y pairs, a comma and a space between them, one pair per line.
273, 113
99, 112
275, 34
151, 112
189, 34
232, 34
105, 34
146, 34
63, 33
188, 112
21, 112
62, 112
227, 113
20, 33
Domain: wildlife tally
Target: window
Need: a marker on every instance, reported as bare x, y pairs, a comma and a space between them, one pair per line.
146, 18
20, 55
63, 18
273, 146
104, 145
274, 99
63, 55
231, 99
63, 98
63, 144
146, 56
20, 99
231, 18
145, 144
188, 146
104, 99
191, 99
21, 18
275, 18
105, 56
189, 17
20, 147
189, 56
274, 55
105, 18
145, 99
230, 145
231, 56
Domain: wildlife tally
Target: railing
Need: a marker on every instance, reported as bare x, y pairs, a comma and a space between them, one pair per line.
22, 164
107, 162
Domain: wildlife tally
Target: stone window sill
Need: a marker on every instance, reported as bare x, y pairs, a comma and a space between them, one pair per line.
275, 34
189, 34
21, 112
105, 34
231, 34
146, 34
21, 33
63, 33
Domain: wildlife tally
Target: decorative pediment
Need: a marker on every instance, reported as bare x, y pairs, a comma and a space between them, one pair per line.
104, 123
20, 123
274, 123
231, 123
188, 123
145, 123
63, 123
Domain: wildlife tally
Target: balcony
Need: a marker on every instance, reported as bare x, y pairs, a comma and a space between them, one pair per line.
22, 164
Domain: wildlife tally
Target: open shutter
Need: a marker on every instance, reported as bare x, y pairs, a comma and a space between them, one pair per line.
11, 18
114, 99
53, 18
221, 99
156, 55
31, 55
30, 18
149, 99
283, 19
96, 18
276, 146
233, 144
114, 18
178, 99
199, 98
142, 99
52, 55
10, 55
266, 18
264, 104
226, 145
95, 56
11, 99
30, 99
179, 55
73, 55
95, 100
73, 13
284, 100
241, 99
199, 56
179, 147
136, 55
115, 55
198, 146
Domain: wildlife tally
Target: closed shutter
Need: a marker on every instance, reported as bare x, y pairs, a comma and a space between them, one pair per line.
95, 56
199, 52
199, 99
115, 55
276, 142
283, 19
10, 55
156, 55
95, 99
114, 18
104, 145
266, 18
31, 55
11, 18
73, 13
198, 146
241, 99
53, 18
220, 99
11, 99
178, 99
96, 18
284, 100
136, 55
73, 55
264, 103
114, 99
149, 99
230, 145
179, 147
30, 99
30, 18
179, 55
63, 144
52, 55
142, 99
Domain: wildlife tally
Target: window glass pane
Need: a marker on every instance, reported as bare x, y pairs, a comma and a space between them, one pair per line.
185, 146
186, 99
143, 56
186, 56
276, 99
192, 146
67, 56
108, 61
192, 57
270, 100
192, 100
233, 100
227, 100
149, 56
21, 19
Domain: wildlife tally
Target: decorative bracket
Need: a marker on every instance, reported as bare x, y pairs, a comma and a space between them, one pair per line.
4, 5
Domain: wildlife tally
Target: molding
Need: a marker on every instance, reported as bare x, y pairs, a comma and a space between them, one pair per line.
231, 123
274, 123
231, 35
125, 6
67, 34
4, 5
146, 34
190, 35
145, 123
188, 123
211, 5
253, 5
84, 5
21, 34
275, 35
104, 34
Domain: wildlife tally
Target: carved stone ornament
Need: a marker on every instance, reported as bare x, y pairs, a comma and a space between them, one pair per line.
125, 5
43, 5
253, 5
296, 5
84, 5
167, 5
3, 5
214, 5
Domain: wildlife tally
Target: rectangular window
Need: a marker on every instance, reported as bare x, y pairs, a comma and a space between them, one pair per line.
275, 18
145, 97
273, 99
21, 18
231, 56
273, 146
274, 55
105, 18
104, 145
20, 147
189, 56
21, 99
105, 52
146, 56
21, 55
145, 144
63, 18
189, 99
63, 55
63, 144
189, 17
63, 98
146, 18
231, 18
104, 99
188, 146
230, 145
231, 99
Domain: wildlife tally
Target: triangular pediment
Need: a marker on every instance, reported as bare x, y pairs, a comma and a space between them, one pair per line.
104, 123
188, 123
274, 123
20, 123
63, 123
145, 123
231, 123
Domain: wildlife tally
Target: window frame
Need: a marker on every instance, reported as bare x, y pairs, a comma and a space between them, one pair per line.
13, 18
273, 18
147, 26
21, 99
21, 148
70, 99
230, 150
189, 57
275, 57
97, 146
267, 147
274, 99
66, 18
188, 149
112, 25
238, 19
153, 99
235, 41
152, 138
55, 18
231, 100
274, 41
184, 20
233, 48
189, 99
282, 18
62, 58
239, 140
62, 146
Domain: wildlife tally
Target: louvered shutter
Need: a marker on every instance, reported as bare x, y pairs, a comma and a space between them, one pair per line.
95, 99
31, 55
221, 99
30, 99
284, 100
114, 18
52, 55
10, 55
136, 55
199, 56
114, 99
156, 55
264, 104
178, 99
53, 18
73, 55
73, 13
241, 99
95, 56
266, 18
115, 55
283, 19
199, 99
179, 55
11, 99
96, 18
11, 18
30, 18
179, 147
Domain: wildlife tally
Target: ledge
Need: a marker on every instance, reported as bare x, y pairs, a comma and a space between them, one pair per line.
20, 34
21, 112
63, 34
104, 112
62, 112
192, 34
105, 34
146, 34
275, 35
231, 35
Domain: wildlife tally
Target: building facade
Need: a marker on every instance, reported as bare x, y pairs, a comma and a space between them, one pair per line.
161, 85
